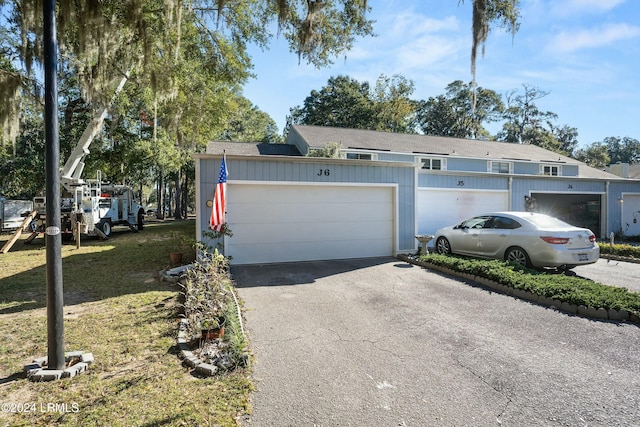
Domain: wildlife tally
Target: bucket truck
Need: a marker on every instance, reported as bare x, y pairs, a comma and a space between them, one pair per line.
13, 212
94, 207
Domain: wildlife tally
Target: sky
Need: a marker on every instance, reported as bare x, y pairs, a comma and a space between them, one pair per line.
585, 53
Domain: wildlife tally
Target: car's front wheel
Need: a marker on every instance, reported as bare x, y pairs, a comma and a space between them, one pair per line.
517, 255
443, 246
105, 227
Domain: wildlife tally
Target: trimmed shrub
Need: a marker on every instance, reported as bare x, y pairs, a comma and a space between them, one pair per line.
570, 289
620, 249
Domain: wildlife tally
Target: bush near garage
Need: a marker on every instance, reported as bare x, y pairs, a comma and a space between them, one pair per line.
569, 289
620, 249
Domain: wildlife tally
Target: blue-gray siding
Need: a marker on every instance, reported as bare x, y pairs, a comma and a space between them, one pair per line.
461, 164
481, 182
395, 157
472, 175
522, 168
523, 187
272, 170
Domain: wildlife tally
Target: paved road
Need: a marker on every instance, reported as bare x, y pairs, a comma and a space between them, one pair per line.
382, 343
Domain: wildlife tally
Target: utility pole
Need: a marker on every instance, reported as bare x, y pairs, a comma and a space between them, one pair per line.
53, 238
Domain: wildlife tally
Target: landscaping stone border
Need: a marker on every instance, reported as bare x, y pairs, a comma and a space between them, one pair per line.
36, 370
189, 358
579, 310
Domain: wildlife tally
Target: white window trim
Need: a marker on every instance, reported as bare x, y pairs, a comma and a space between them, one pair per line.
374, 156
544, 165
443, 162
490, 164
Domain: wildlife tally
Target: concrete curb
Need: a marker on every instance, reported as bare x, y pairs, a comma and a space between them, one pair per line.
583, 311
620, 258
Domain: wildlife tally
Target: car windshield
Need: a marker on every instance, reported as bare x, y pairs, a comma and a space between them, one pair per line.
544, 221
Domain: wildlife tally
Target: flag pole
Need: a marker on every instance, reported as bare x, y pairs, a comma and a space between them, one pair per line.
53, 238
224, 222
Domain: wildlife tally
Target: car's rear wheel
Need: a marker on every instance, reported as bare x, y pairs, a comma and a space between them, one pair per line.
518, 255
443, 246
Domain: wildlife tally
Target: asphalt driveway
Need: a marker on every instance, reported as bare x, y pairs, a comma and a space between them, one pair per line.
612, 273
377, 342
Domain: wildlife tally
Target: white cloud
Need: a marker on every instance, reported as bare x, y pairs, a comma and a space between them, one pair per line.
572, 7
427, 52
408, 42
593, 5
567, 41
405, 25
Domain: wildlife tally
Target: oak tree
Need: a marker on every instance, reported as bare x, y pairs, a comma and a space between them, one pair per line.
452, 114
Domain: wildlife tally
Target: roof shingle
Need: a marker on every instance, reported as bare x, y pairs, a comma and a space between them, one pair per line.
319, 136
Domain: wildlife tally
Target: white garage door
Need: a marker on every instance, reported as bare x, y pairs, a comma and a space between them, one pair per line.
284, 222
440, 208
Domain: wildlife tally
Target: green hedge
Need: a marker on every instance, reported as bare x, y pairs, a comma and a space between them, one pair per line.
620, 250
570, 289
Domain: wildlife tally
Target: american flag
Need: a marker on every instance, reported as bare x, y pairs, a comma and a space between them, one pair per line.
219, 198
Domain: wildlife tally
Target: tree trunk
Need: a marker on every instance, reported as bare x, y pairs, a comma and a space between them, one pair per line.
169, 199
185, 196
160, 192
178, 195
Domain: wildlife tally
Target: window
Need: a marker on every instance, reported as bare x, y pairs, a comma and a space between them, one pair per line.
502, 222
500, 167
544, 221
359, 156
477, 222
550, 170
433, 164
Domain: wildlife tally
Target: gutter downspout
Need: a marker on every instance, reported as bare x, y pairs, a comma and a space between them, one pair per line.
510, 193
604, 223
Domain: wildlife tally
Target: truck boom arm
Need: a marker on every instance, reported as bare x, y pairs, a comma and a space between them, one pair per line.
70, 176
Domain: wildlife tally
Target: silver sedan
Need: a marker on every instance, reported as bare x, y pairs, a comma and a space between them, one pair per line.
527, 238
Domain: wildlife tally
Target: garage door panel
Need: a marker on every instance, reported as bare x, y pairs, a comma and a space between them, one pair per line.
264, 251
302, 232
441, 208
268, 193
310, 212
281, 222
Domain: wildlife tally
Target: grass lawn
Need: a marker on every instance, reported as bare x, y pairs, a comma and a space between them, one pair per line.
117, 309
